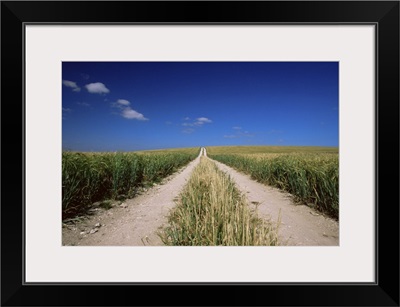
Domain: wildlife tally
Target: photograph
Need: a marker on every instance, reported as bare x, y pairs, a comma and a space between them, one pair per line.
200, 153
201, 147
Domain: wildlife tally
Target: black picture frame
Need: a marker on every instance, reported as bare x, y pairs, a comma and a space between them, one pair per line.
383, 14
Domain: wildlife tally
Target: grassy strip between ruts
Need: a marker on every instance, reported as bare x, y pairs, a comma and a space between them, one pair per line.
212, 212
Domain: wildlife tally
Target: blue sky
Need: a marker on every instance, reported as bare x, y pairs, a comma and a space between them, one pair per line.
128, 106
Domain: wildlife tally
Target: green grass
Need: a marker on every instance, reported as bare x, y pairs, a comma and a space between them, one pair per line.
212, 212
91, 177
312, 177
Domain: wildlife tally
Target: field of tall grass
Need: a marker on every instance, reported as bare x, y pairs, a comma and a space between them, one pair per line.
212, 212
221, 150
91, 177
311, 175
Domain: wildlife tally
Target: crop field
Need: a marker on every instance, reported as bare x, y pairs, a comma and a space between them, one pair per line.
187, 150
310, 174
217, 150
210, 207
91, 177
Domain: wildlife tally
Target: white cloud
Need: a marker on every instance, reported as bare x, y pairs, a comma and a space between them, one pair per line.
204, 120
66, 109
129, 113
72, 85
126, 111
123, 102
97, 88
198, 122
83, 104
237, 128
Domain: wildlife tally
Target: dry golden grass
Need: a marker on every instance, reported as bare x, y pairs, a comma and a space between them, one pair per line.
219, 150
211, 211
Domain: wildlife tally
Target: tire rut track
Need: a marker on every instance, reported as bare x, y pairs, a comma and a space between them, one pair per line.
300, 225
135, 223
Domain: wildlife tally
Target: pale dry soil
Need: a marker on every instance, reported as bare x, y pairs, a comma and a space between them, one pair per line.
299, 224
136, 221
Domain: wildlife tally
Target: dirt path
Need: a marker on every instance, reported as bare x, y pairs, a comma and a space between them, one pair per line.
136, 221
300, 224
